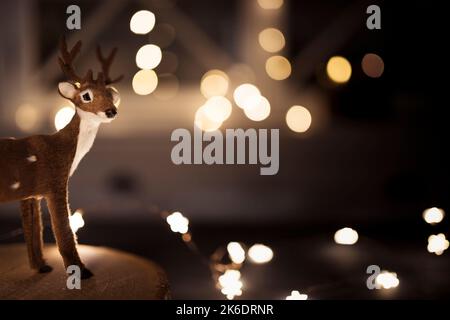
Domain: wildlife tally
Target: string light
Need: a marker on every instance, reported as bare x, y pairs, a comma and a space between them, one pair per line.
437, 244
270, 4
63, 117
178, 222
433, 215
339, 69
76, 221
259, 253
346, 236
142, 22
259, 111
231, 284
145, 82
236, 252
372, 65
27, 117
203, 122
214, 83
217, 109
247, 96
271, 40
298, 119
387, 280
148, 56
278, 68
296, 295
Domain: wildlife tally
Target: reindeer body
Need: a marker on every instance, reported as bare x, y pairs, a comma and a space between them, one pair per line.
40, 166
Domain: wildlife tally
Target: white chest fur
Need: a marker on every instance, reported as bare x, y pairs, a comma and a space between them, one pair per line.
86, 136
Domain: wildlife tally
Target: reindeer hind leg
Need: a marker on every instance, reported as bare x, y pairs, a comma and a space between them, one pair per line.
32, 229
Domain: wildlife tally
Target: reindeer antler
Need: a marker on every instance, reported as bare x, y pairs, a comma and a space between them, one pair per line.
66, 62
106, 65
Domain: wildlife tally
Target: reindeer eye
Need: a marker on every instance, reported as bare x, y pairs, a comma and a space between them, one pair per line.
86, 96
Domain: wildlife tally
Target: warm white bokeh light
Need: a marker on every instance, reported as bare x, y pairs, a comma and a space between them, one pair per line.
217, 109
372, 65
433, 215
236, 252
145, 82
148, 56
142, 22
63, 117
247, 95
231, 284
204, 123
298, 119
214, 83
271, 40
76, 221
346, 236
178, 222
296, 295
387, 280
278, 67
259, 253
259, 111
437, 244
27, 117
339, 69
270, 4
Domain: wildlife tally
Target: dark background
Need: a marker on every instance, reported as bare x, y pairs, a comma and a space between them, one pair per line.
376, 159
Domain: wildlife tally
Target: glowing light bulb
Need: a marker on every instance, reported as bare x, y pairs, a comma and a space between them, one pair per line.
298, 119
259, 111
178, 223
271, 40
372, 65
236, 252
142, 22
214, 83
433, 215
247, 95
203, 122
76, 221
346, 236
437, 244
259, 253
231, 284
27, 117
217, 109
296, 295
278, 67
63, 117
148, 56
270, 4
145, 82
339, 69
387, 280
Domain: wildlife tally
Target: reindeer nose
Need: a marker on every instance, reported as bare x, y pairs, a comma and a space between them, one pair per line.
111, 113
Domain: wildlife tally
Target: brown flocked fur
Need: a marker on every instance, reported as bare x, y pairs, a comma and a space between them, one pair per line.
39, 166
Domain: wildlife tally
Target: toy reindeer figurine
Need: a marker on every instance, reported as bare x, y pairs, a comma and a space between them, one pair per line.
40, 166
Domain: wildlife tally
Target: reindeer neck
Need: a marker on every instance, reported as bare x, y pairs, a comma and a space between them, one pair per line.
78, 136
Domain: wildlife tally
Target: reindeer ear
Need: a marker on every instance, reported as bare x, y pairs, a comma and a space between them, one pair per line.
67, 90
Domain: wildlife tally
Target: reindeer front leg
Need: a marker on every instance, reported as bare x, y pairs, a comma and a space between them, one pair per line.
32, 229
65, 239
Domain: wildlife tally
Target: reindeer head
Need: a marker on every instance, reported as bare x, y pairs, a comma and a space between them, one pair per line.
95, 100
